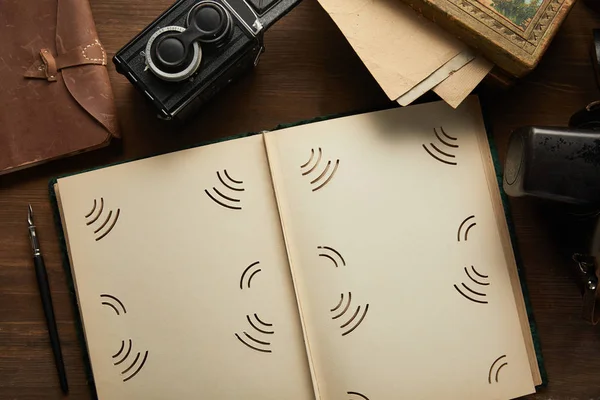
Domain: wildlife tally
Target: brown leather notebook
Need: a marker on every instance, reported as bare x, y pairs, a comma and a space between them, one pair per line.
55, 94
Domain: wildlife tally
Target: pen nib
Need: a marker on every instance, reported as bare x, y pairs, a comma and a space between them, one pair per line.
30, 215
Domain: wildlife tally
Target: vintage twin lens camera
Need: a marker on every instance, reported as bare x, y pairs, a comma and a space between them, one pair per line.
195, 48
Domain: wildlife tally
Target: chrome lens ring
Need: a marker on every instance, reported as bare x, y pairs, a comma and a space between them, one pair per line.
172, 76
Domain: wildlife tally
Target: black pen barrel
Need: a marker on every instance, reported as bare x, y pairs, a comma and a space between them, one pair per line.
46, 297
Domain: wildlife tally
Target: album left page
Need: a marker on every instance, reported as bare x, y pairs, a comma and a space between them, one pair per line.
182, 277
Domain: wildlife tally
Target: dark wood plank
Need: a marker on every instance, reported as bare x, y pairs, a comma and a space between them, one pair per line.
307, 71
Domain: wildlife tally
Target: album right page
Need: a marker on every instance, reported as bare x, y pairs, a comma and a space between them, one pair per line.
398, 261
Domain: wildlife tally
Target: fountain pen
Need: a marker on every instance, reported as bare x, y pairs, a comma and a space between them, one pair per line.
44, 287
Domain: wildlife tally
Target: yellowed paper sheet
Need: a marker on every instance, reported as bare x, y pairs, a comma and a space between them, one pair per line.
399, 47
182, 277
399, 264
438, 76
454, 89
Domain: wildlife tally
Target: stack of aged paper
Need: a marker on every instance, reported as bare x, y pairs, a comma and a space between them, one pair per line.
407, 54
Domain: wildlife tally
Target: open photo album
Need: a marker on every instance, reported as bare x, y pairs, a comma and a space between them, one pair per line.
360, 257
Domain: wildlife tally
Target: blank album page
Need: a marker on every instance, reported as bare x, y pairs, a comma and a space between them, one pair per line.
182, 277
402, 278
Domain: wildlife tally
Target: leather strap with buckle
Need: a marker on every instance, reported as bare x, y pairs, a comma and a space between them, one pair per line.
47, 66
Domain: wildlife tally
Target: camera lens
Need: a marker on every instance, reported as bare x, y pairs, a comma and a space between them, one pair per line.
209, 18
170, 51
167, 58
212, 21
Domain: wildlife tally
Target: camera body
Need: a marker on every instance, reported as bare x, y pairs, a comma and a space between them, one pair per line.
195, 48
563, 165
556, 163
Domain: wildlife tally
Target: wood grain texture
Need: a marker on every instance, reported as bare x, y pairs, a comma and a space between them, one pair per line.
308, 70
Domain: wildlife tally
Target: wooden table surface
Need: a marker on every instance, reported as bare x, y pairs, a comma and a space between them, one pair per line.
308, 70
